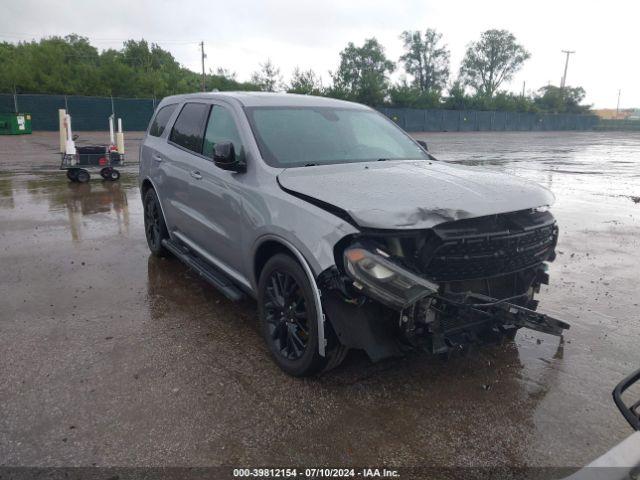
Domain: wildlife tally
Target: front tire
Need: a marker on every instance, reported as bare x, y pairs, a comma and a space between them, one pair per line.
288, 317
154, 227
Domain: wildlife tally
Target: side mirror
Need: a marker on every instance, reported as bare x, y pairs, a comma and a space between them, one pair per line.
224, 156
423, 144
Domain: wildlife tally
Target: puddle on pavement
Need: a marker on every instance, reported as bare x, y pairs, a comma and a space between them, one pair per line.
97, 207
546, 402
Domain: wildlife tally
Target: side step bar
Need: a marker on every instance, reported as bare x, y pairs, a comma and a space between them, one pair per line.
209, 273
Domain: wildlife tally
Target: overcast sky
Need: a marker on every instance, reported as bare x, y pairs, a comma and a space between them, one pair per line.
240, 34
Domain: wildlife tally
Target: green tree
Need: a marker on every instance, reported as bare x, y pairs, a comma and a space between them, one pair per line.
362, 74
71, 65
115, 76
225, 73
225, 79
305, 82
268, 78
9, 71
561, 100
410, 96
425, 59
492, 60
457, 98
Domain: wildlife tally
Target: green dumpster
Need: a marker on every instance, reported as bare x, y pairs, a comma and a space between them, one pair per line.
15, 123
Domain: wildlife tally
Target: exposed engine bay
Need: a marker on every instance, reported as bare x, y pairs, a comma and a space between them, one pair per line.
441, 289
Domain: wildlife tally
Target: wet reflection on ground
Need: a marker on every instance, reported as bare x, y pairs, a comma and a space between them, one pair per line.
99, 336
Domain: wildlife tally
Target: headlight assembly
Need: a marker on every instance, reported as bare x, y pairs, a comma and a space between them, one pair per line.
385, 281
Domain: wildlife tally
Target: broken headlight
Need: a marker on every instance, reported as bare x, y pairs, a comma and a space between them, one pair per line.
385, 281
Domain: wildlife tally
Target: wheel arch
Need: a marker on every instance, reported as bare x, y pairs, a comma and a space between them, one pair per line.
266, 250
146, 185
271, 245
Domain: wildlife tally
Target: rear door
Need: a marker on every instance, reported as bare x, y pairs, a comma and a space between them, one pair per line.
216, 195
182, 148
153, 153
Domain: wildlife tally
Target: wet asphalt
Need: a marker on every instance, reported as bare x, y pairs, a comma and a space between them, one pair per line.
111, 357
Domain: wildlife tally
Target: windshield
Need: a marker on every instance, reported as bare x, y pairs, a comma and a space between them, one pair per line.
298, 136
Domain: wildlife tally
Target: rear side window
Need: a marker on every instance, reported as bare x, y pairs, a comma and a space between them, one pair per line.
160, 121
188, 131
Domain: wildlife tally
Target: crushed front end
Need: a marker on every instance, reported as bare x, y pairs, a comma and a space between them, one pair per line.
460, 282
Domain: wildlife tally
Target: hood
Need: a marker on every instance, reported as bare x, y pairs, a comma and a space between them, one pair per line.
413, 194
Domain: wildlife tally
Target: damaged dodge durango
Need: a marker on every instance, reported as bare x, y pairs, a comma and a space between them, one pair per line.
347, 232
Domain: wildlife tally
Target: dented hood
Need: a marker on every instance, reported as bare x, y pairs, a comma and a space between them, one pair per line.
413, 194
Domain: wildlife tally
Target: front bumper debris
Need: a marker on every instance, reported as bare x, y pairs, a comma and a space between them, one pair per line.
506, 312
433, 317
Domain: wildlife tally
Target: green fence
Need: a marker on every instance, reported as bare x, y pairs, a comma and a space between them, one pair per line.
91, 113
415, 120
619, 125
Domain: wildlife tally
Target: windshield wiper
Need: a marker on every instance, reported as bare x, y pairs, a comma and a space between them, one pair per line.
310, 164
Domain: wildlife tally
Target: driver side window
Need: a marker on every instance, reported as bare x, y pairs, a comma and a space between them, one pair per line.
370, 133
221, 128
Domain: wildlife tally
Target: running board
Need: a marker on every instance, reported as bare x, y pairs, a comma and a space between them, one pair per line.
209, 273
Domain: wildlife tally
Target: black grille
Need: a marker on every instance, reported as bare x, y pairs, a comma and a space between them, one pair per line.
488, 254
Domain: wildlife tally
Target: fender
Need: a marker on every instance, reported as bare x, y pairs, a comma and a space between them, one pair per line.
164, 217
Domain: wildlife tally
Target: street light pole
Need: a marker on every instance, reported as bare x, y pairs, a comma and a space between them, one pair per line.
566, 65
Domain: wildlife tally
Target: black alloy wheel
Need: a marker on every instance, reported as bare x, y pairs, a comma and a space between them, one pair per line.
154, 226
288, 316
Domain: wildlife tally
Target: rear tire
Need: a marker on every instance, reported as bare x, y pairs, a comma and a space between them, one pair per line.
154, 227
288, 317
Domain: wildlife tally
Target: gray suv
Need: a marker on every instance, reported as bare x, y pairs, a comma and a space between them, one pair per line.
347, 232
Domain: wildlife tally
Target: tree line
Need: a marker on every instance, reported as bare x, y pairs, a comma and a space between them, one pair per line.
71, 65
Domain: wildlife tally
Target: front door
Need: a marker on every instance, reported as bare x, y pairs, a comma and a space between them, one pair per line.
216, 194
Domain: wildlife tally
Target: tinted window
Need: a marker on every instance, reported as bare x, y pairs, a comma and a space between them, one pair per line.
160, 121
296, 136
221, 128
189, 127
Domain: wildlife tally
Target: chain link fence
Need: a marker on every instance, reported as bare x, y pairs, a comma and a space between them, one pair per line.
91, 113
416, 120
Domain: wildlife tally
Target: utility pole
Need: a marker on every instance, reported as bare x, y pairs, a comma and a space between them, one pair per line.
524, 83
15, 98
204, 87
618, 105
566, 65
